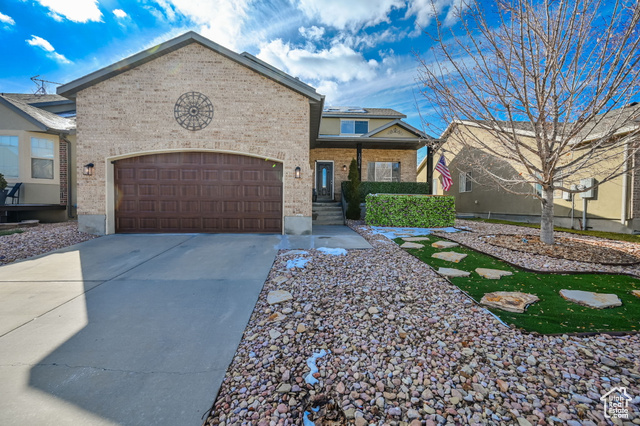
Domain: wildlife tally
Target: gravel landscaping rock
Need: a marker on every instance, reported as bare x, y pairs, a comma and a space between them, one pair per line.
477, 239
39, 240
424, 355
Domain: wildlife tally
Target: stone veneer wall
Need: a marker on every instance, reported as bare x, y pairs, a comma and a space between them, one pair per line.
132, 114
343, 156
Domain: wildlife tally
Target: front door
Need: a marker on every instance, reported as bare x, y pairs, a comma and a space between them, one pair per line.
324, 180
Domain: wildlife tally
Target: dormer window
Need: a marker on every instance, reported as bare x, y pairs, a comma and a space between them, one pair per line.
354, 127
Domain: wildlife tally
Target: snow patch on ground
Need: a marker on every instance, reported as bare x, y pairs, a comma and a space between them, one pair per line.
298, 262
393, 233
311, 363
333, 251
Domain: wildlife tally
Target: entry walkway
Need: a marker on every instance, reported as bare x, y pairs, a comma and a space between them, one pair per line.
132, 329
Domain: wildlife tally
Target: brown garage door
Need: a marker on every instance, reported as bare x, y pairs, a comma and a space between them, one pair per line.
198, 192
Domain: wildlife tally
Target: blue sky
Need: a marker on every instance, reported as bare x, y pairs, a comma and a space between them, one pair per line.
356, 52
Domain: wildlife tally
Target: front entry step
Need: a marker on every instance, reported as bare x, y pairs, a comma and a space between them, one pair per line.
327, 213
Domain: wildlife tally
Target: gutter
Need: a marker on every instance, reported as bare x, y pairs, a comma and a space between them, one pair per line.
625, 186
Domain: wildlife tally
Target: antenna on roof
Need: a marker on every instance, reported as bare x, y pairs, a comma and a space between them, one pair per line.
42, 88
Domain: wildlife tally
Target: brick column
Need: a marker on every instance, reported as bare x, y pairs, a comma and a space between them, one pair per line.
64, 172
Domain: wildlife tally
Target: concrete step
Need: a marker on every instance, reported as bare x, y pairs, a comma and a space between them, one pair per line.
326, 209
327, 222
326, 203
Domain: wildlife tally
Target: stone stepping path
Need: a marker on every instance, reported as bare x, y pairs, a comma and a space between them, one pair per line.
444, 244
449, 256
492, 274
411, 246
415, 239
451, 272
511, 301
591, 300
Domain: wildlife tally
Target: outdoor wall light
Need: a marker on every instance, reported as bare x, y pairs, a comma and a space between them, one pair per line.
344, 168
297, 172
87, 170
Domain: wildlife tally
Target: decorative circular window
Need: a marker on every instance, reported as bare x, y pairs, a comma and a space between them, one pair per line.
193, 111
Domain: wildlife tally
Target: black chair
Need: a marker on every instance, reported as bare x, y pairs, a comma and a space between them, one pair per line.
14, 194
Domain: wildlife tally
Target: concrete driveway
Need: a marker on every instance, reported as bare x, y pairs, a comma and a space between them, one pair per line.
132, 329
126, 329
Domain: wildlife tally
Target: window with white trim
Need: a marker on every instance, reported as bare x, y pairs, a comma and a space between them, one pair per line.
42, 155
9, 158
354, 127
465, 182
383, 171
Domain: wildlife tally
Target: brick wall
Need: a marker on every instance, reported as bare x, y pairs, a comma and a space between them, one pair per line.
132, 113
64, 170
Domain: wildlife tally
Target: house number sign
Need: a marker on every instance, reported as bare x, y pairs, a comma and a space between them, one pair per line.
193, 111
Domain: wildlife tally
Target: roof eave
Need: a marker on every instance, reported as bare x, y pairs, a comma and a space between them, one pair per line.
70, 89
24, 115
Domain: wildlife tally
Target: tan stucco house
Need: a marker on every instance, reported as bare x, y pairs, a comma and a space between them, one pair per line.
37, 151
189, 136
613, 206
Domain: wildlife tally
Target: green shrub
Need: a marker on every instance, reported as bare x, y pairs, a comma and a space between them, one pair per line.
367, 188
432, 211
3, 182
353, 209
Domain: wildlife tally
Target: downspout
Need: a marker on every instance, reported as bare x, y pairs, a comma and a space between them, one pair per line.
69, 215
625, 185
584, 214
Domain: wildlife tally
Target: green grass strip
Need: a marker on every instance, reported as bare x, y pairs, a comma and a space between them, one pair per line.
552, 314
11, 232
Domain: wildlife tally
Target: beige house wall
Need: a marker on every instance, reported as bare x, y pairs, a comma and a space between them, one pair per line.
485, 199
131, 114
33, 191
343, 156
331, 126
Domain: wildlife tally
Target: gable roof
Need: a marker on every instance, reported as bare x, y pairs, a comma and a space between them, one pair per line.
69, 90
44, 120
399, 123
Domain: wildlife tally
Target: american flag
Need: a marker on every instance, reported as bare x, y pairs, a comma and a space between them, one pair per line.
444, 171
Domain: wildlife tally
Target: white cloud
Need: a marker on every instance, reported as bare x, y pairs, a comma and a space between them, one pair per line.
363, 39
353, 14
426, 10
219, 20
119, 13
47, 47
312, 33
74, 10
41, 43
339, 62
6, 19
55, 17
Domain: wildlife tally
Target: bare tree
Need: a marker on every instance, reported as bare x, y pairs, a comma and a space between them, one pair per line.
552, 81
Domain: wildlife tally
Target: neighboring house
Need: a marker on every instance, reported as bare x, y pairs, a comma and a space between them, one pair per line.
613, 206
384, 146
189, 136
37, 149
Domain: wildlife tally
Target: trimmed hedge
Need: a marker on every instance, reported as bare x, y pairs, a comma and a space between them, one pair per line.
367, 188
415, 211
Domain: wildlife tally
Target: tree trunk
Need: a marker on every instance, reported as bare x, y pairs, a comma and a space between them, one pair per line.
546, 221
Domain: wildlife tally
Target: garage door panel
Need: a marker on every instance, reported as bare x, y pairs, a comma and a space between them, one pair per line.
169, 174
189, 174
189, 191
169, 206
198, 192
169, 191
